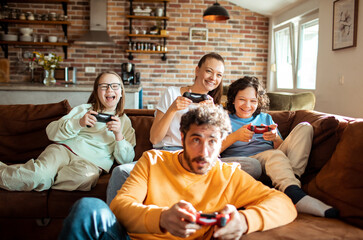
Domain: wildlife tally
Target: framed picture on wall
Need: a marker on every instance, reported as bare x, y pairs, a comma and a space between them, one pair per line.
198, 34
345, 19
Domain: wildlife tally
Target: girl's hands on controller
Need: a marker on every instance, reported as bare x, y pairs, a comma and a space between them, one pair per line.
243, 134
115, 127
88, 119
272, 134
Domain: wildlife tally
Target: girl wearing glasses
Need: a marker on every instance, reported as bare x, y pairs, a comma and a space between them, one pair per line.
83, 148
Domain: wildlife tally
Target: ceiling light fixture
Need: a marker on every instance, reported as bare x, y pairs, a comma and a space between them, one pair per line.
215, 13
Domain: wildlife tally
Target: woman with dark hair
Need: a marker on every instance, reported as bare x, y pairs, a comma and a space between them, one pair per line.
164, 133
284, 161
84, 146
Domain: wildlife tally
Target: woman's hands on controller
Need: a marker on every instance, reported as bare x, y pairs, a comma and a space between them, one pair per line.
209, 101
180, 103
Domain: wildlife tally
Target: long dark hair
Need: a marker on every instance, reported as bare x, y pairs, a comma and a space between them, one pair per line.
95, 101
243, 83
216, 93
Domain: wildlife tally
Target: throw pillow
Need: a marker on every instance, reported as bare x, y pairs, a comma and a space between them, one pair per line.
340, 181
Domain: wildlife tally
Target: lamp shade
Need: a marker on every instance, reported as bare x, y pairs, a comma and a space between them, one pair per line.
215, 13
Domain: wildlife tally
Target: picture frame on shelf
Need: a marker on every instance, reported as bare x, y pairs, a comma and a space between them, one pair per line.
198, 34
345, 20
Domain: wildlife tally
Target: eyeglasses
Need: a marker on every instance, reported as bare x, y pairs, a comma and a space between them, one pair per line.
114, 86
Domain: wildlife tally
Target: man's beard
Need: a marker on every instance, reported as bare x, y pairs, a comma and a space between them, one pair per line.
189, 161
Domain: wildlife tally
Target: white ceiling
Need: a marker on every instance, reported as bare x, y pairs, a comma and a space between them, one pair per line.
266, 7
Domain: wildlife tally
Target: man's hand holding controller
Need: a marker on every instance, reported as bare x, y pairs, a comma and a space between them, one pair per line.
183, 220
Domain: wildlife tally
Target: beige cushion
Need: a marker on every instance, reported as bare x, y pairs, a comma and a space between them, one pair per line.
291, 101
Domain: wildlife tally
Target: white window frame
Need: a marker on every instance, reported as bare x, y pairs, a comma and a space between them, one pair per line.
295, 43
290, 27
305, 20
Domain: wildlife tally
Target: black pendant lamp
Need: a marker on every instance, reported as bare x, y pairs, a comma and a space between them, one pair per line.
215, 13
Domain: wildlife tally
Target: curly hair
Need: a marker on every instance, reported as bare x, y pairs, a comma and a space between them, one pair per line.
216, 93
95, 101
206, 114
243, 83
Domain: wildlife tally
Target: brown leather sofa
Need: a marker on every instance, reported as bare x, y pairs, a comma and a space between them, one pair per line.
334, 173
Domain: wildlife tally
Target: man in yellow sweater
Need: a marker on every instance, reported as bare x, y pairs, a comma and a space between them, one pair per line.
165, 190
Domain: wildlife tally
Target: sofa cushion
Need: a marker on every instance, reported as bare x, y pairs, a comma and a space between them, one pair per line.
25, 204
326, 136
283, 119
339, 183
306, 226
60, 202
141, 120
22, 129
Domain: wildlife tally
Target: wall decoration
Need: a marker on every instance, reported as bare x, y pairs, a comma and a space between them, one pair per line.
345, 19
198, 34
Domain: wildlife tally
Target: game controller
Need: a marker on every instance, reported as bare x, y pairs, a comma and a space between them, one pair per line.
209, 219
259, 129
195, 97
102, 117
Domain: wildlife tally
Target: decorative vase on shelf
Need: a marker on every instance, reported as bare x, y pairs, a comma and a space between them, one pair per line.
49, 79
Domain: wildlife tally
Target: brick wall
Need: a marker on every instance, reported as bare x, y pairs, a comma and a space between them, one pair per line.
242, 41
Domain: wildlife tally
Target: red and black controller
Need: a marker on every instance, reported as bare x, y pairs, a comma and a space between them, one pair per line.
259, 129
208, 219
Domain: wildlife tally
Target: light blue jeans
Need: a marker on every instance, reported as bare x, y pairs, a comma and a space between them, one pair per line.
91, 218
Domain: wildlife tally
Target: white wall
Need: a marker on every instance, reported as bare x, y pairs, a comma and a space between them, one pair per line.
332, 96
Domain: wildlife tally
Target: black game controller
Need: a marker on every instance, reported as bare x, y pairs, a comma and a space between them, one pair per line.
209, 219
102, 117
195, 97
259, 129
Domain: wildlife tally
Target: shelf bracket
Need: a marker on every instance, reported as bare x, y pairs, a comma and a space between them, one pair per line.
65, 50
4, 26
64, 5
130, 57
5, 50
164, 57
65, 29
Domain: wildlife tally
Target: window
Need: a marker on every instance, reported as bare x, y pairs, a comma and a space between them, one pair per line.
284, 57
296, 73
307, 55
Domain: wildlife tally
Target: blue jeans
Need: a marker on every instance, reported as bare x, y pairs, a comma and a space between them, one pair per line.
91, 218
117, 179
